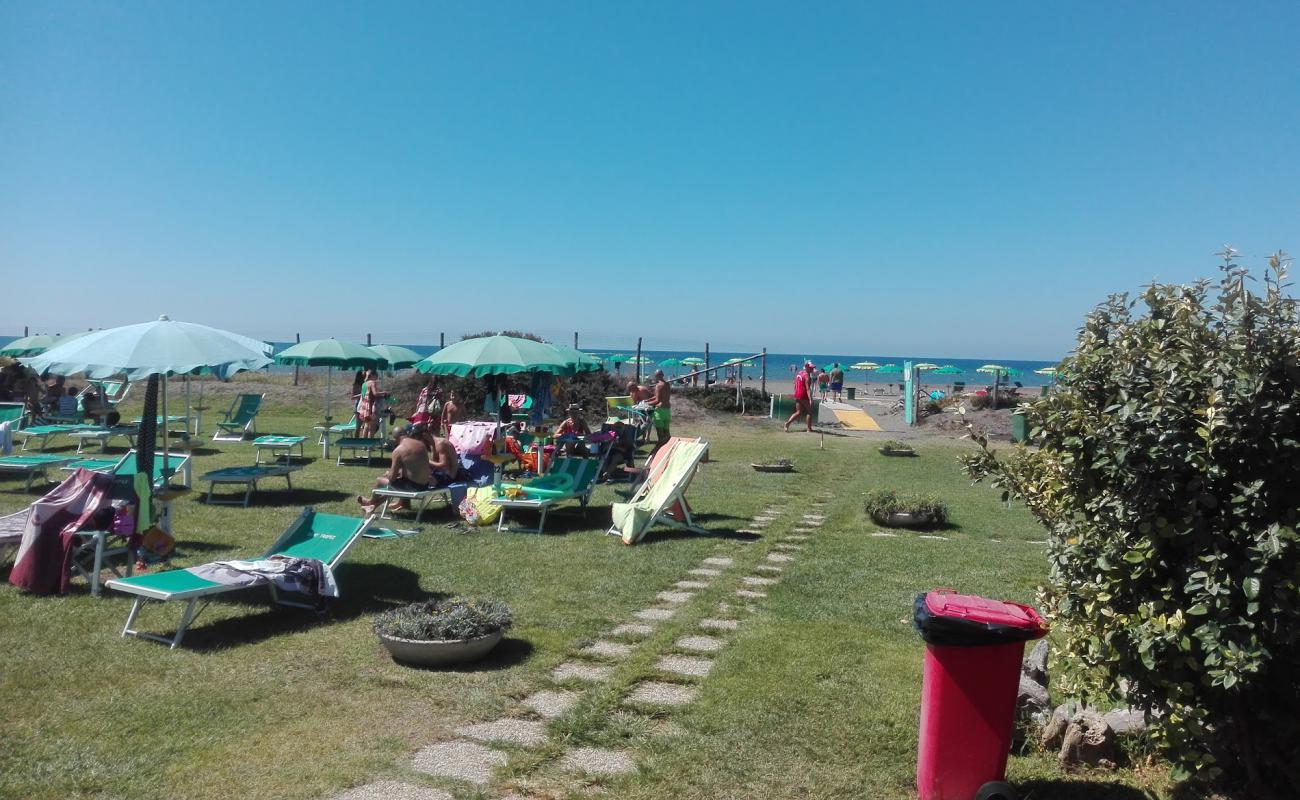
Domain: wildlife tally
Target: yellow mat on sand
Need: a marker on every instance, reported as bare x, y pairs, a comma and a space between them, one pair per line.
856, 420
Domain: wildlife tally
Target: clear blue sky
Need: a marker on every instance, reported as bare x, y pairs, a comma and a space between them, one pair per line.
954, 179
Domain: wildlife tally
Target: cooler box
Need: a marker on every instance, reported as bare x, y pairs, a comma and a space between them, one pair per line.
974, 648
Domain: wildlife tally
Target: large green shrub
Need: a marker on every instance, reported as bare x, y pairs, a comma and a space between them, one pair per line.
1167, 468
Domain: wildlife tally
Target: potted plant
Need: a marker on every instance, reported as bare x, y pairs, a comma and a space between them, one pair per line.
893, 447
893, 510
448, 631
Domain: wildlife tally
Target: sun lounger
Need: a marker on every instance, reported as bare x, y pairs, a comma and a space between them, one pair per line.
105, 434
348, 428
584, 473
324, 537
44, 432
421, 497
662, 499
276, 443
12, 412
240, 419
355, 444
178, 463
248, 477
33, 465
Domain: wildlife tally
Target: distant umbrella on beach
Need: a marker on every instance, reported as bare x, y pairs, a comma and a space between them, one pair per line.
395, 356
693, 361
580, 361
1049, 371
889, 369
619, 358
926, 365
865, 366
38, 343
330, 353
949, 369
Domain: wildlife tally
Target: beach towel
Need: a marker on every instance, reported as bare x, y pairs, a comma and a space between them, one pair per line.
472, 438
7, 438
44, 561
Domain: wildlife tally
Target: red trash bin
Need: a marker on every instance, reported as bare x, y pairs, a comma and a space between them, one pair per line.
974, 648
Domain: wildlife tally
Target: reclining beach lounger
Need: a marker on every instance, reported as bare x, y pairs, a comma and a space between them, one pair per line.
33, 465
662, 499
323, 537
248, 476
419, 500
44, 432
580, 474
178, 463
105, 434
240, 419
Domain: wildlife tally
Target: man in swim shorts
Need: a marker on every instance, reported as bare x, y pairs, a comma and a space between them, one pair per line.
444, 461
662, 400
803, 396
837, 381
408, 470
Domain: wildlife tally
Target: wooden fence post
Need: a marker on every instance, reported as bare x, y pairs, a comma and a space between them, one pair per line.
762, 381
638, 360
706, 367
297, 338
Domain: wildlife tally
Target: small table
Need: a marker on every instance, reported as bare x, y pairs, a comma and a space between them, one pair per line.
249, 476
275, 443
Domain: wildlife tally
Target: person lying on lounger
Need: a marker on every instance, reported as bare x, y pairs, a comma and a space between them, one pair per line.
409, 469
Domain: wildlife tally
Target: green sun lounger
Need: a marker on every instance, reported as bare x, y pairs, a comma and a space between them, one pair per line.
105, 434
324, 537
44, 432
178, 463
33, 465
240, 419
584, 471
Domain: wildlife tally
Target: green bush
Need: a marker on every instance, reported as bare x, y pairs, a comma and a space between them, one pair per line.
1167, 469
723, 399
440, 620
882, 502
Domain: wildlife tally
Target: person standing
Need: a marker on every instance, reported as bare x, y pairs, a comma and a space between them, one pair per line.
662, 400
837, 381
823, 383
451, 412
803, 396
369, 405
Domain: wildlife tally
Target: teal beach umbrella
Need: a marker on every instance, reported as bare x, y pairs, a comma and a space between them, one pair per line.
495, 355
578, 360
330, 353
396, 357
38, 343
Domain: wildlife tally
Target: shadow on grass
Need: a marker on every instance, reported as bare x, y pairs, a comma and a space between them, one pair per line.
367, 589
275, 497
1066, 789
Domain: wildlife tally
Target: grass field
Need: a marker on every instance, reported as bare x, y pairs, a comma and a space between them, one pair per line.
814, 696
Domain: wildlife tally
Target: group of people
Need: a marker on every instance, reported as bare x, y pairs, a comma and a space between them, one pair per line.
57, 399
421, 460
660, 400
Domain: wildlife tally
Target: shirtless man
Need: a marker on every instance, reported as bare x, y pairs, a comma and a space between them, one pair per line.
450, 412
837, 381
636, 391
662, 400
444, 461
409, 469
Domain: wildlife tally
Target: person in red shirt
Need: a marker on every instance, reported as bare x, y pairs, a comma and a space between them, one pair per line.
803, 396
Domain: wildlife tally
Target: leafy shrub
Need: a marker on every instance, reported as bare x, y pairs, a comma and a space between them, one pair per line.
894, 444
438, 620
723, 399
1167, 471
882, 502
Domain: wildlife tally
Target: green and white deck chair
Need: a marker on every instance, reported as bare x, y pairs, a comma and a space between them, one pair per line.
33, 464
324, 537
114, 391
662, 500
105, 434
43, 433
12, 412
580, 473
178, 463
348, 428
240, 419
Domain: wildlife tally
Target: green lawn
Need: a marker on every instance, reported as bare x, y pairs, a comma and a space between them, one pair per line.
814, 697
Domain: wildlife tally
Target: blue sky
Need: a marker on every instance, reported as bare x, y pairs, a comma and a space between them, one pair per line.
953, 179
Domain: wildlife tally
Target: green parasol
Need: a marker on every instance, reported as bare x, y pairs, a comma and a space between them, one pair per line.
693, 361
949, 369
330, 353
865, 365
1051, 371
495, 355
619, 358
394, 356
578, 360
926, 365
889, 368
38, 343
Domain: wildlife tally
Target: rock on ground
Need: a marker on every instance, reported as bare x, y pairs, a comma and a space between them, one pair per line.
1031, 698
1126, 721
1088, 740
1035, 666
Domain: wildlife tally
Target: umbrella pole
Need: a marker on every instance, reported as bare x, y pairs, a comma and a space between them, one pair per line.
187, 404
329, 379
198, 419
166, 470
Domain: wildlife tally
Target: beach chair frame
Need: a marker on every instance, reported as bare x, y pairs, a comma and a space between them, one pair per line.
239, 419
675, 499
193, 597
423, 497
542, 506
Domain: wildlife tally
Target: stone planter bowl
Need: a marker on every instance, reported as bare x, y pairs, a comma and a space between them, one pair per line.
437, 653
902, 519
891, 451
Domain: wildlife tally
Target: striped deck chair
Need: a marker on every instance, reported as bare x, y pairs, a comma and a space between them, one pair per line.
662, 499
324, 537
240, 419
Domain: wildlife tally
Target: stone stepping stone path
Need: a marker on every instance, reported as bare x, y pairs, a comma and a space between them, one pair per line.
720, 624
758, 580
705, 571
656, 614
772, 568
932, 537
797, 537
815, 520
749, 532
656, 693
526, 732
700, 644
464, 761
750, 593
688, 666
674, 597
598, 761
719, 561
575, 671
692, 584
779, 558
805, 531
550, 703
632, 630
784, 546
604, 649
393, 790
882, 534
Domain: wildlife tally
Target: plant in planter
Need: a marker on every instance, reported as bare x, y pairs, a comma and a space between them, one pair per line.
449, 631
891, 509
893, 447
